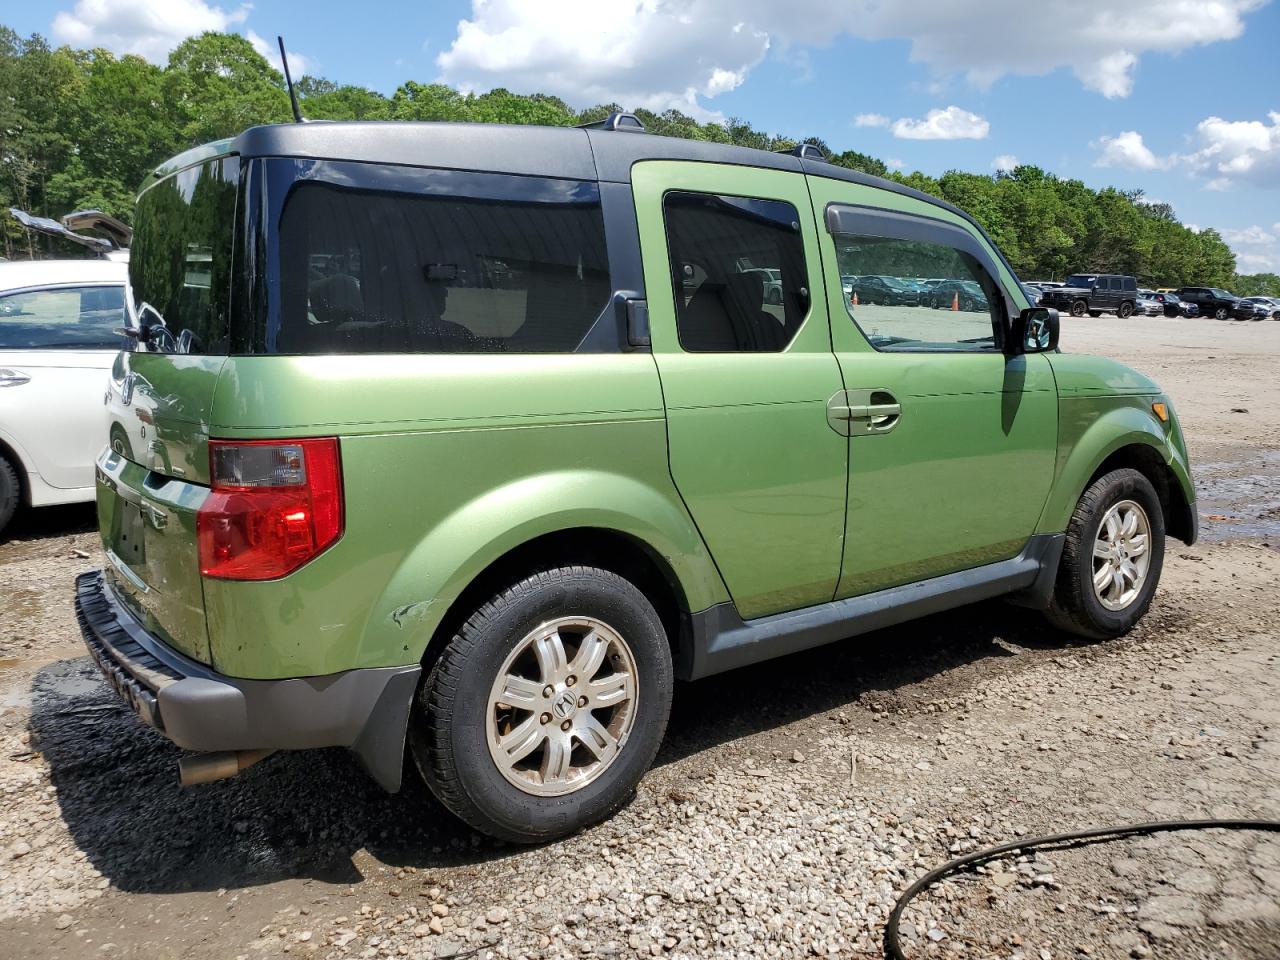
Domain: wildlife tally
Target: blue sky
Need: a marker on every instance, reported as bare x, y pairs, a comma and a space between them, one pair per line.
1181, 100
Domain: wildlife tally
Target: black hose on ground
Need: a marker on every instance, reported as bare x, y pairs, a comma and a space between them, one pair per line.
892, 945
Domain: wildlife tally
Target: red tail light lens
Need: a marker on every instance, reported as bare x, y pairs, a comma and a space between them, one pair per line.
274, 506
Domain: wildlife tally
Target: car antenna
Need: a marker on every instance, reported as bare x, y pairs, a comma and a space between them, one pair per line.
288, 79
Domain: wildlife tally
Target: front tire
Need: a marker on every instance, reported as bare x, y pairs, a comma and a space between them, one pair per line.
1079, 308
1112, 558
10, 492
1221, 313
546, 708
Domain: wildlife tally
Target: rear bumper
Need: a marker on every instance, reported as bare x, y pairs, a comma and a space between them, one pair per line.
198, 708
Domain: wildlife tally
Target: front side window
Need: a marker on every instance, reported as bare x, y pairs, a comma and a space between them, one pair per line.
901, 313
63, 318
381, 259
737, 271
180, 258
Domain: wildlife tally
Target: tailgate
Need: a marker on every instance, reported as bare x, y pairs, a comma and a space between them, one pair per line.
151, 482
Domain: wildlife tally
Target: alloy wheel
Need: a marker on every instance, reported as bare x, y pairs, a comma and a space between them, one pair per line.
562, 706
1121, 555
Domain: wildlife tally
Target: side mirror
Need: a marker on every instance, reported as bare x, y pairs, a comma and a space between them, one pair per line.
1035, 330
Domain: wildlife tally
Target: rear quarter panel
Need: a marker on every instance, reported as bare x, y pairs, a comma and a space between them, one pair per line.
448, 463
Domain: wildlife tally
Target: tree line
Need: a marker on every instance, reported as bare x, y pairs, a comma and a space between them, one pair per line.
81, 129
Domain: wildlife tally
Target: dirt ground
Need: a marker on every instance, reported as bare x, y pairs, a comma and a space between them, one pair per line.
791, 803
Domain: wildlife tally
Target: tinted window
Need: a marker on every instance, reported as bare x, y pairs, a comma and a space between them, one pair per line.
1130, 283
1080, 280
180, 259
73, 318
395, 260
738, 272
958, 313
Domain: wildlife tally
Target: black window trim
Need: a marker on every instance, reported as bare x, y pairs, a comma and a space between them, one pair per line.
862, 220
808, 269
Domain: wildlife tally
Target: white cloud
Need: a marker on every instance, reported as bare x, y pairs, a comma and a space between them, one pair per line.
1128, 151
270, 51
1237, 151
152, 28
1257, 249
149, 28
666, 53
952, 123
1247, 235
1004, 162
871, 120
893, 163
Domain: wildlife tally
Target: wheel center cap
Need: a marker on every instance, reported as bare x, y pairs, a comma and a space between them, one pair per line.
565, 705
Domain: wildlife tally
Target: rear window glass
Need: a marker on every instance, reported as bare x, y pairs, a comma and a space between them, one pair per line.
63, 318
395, 260
180, 258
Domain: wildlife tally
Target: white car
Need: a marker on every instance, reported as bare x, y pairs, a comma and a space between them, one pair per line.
58, 339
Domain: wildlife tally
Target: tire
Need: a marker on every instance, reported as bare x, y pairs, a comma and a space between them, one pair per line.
453, 715
1079, 308
1221, 313
10, 493
1125, 311
1076, 606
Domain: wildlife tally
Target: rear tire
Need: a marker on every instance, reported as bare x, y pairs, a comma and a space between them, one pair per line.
533, 637
10, 493
1097, 543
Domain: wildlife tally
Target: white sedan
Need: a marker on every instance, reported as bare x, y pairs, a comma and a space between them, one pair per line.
58, 339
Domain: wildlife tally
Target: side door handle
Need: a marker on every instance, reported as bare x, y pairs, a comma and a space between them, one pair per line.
864, 412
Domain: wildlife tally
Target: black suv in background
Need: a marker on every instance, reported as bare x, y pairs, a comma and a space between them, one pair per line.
1094, 294
1217, 303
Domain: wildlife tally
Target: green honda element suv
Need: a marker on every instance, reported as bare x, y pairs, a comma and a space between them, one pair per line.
465, 442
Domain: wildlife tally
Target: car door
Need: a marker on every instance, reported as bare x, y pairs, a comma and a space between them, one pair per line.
952, 443
746, 382
59, 343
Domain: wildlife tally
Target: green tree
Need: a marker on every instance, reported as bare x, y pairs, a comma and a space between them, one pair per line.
219, 85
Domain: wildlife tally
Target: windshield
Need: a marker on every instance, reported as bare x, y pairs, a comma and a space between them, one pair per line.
63, 318
893, 283
1081, 280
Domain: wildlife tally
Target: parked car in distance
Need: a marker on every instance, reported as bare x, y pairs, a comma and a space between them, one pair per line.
1033, 292
1264, 308
1094, 294
962, 294
1045, 284
1217, 303
58, 323
1173, 305
846, 283
886, 290
393, 508
1146, 305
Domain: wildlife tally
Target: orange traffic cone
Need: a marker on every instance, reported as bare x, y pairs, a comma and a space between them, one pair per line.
855, 298
955, 300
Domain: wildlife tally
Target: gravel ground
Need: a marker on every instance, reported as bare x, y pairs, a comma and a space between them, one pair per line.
790, 806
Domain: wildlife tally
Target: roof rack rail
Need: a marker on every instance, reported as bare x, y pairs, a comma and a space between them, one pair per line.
805, 151
627, 122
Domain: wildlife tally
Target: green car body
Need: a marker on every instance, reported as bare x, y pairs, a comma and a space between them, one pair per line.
727, 485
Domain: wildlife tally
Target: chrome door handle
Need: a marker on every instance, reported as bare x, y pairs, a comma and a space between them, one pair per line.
12, 378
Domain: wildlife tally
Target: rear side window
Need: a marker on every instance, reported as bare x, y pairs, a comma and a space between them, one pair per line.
738, 272
400, 260
180, 258
63, 318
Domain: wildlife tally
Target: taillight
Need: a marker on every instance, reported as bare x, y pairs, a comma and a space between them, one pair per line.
274, 505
